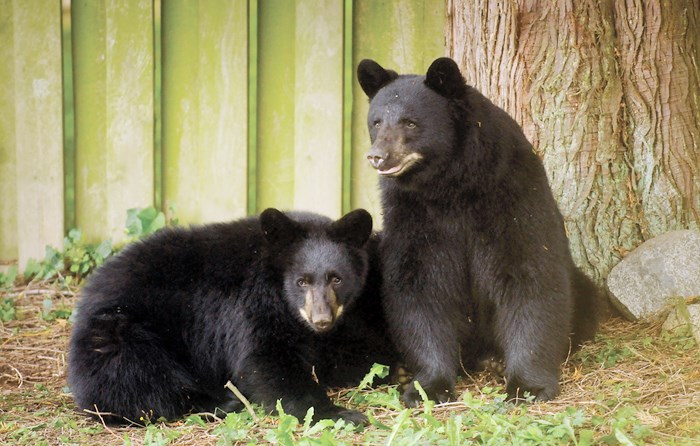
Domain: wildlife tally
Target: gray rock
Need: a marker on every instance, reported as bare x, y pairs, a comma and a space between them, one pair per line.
643, 284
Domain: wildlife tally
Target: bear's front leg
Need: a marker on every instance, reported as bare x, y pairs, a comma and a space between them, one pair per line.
276, 376
439, 389
430, 346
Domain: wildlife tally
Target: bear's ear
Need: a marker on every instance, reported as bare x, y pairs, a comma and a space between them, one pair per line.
279, 230
354, 228
373, 77
444, 78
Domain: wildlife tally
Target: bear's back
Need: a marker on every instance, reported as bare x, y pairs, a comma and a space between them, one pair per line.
172, 264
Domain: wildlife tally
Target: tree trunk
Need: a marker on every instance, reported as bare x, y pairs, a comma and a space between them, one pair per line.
608, 93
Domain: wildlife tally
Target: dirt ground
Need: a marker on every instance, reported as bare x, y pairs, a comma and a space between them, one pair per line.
629, 364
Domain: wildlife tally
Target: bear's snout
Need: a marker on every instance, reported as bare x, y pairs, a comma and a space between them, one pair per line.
393, 164
321, 308
321, 314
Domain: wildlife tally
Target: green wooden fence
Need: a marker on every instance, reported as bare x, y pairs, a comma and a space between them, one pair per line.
214, 108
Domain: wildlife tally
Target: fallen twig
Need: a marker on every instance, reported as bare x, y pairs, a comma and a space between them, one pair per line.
229, 385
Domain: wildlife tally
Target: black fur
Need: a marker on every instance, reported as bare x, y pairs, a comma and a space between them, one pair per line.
475, 256
374, 77
165, 324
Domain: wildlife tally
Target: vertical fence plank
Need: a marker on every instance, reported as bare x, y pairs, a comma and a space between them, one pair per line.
68, 120
348, 103
32, 129
404, 35
8, 152
113, 91
300, 105
318, 106
205, 105
252, 171
275, 104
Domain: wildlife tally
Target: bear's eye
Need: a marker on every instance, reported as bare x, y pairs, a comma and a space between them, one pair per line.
377, 123
336, 280
302, 282
410, 124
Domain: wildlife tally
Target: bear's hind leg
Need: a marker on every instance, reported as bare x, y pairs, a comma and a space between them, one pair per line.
587, 307
123, 371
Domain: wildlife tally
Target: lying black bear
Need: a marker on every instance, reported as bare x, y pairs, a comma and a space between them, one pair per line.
474, 253
272, 304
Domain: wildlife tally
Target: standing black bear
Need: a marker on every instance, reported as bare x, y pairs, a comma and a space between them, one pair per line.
165, 324
474, 253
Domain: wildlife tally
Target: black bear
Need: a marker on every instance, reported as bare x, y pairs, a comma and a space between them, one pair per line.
474, 253
283, 306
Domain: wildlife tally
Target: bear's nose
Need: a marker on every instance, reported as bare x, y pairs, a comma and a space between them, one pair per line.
375, 160
323, 325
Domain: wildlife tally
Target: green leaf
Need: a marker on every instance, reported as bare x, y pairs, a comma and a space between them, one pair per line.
195, 420
8, 311
103, 250
158, 222
427, 402
46, 307
308, 419
73, 238
622, 438
141, 222
147, 215
32, 269
400, 420
279, 408
377, 370
453, 429
376, 423
321, 425
7, 279
133, 223
585, 437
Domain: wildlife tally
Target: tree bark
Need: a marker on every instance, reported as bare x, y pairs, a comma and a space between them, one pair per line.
659, 47
591, 82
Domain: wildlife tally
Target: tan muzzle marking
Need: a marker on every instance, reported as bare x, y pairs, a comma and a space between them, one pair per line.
319, 312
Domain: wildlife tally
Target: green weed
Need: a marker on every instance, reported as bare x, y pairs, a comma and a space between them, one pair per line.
77, 259
611, 352
49, 313
71, 265
155, 436
7, 279
80, 258
234, 428
8, 310
141, 222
